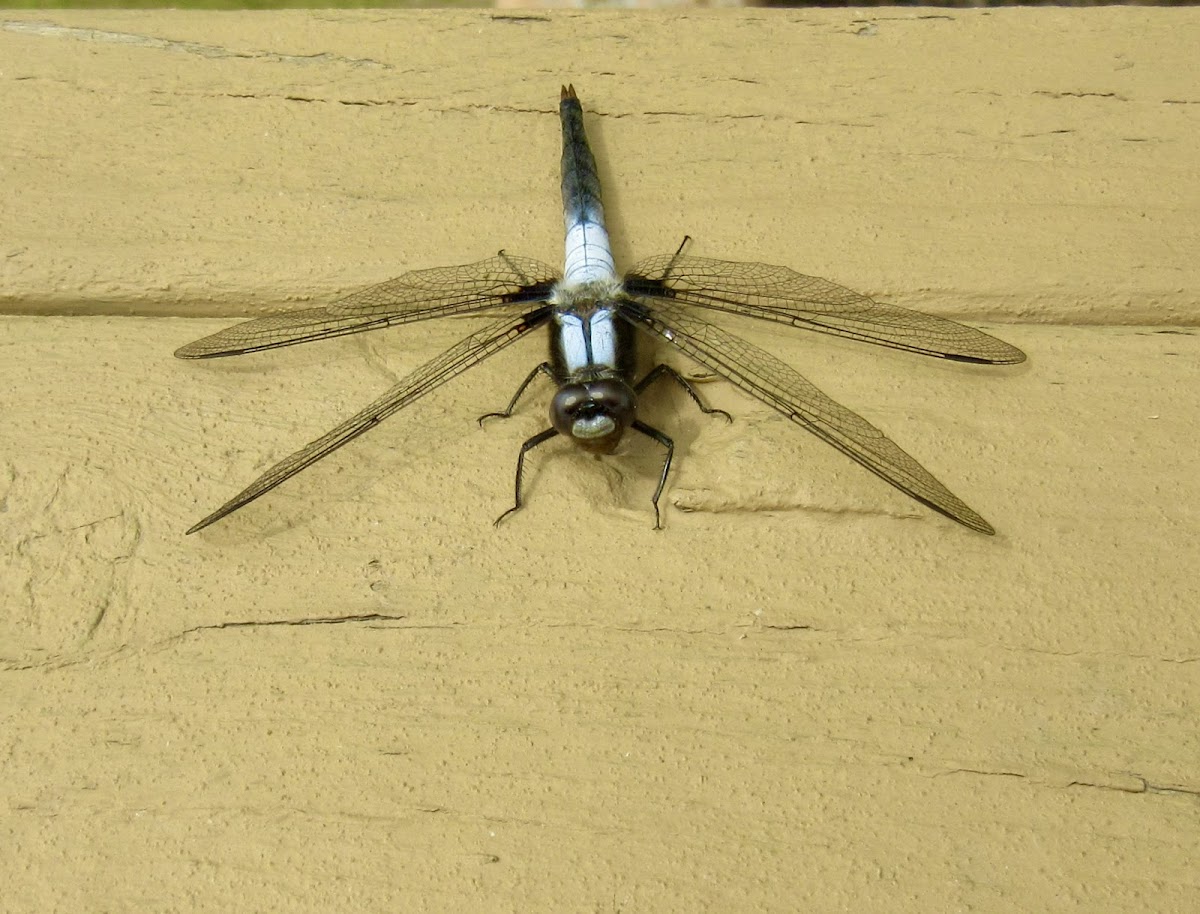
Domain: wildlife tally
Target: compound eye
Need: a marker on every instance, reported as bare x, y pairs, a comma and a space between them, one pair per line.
617, 399
595, 412
566, 405
577, 398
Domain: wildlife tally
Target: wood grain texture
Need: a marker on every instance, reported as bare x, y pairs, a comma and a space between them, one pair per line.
808, 692
1036, 165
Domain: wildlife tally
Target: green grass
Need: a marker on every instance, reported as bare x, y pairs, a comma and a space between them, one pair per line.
240, 4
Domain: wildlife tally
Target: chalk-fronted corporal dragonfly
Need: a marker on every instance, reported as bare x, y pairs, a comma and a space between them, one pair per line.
595, 317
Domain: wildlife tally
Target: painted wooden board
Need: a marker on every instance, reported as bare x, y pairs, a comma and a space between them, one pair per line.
807, 692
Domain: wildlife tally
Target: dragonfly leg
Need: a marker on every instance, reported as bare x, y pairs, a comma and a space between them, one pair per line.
507, 412
528, 446
651, 432
663, 370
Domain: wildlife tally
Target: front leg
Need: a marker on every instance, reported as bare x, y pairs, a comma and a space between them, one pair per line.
663, 370
507, 412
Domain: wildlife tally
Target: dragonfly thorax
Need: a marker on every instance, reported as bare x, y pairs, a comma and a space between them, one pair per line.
583, 296
594, 414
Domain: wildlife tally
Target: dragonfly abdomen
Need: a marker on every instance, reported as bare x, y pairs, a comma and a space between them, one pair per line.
588, 251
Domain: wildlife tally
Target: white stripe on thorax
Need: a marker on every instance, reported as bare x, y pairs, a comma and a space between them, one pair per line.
604, 339
576, 333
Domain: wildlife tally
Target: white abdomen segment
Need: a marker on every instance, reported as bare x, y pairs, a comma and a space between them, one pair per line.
589, 256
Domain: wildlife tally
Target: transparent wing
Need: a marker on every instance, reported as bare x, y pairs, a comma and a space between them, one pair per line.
423, 294
454, 361
779, 386
785, 296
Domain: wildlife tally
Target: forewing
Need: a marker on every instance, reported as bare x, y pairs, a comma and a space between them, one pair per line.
498, 282
779, 386
785, 296
454, 361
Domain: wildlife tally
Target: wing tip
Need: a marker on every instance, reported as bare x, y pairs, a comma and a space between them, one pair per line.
1014, 358
199, 525
979, 526
191, 352
220, 514
956, 509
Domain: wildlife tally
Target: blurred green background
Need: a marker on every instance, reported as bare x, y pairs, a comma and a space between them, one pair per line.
238, 4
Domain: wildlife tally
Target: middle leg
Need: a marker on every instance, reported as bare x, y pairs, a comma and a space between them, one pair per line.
507, 412
662, 370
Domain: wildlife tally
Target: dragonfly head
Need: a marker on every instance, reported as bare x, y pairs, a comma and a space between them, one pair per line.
594, 413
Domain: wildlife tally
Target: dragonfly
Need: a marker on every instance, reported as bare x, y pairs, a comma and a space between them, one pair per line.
596, 320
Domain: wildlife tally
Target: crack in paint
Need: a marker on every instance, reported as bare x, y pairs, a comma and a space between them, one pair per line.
50, 29
1143, 786
306, 620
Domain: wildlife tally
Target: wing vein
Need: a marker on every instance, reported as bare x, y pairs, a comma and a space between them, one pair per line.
782, 295
463, 355
503, 282
781, 387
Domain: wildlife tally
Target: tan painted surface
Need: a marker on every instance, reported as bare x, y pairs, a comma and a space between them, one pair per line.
807, 693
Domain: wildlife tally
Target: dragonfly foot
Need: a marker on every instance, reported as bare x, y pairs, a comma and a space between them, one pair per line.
512, 510
493, 416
